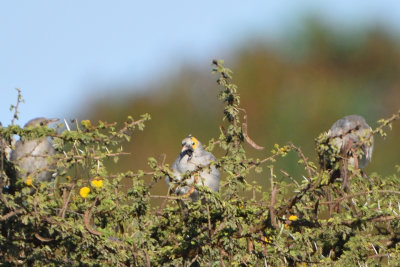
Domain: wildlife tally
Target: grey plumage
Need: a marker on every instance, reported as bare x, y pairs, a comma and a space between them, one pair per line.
3, 161
347, 145
7, 170
32, 156
192, 157
351, 133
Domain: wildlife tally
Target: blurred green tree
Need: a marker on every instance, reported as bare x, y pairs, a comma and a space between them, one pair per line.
292, 91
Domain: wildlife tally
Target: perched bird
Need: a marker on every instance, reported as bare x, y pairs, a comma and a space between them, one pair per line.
3, 160
32, 156
192, 157
350, 143
7, 170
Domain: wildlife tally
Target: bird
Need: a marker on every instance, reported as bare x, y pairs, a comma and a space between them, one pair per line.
32, 156
7, 169
3, 160
350, 143
193, 156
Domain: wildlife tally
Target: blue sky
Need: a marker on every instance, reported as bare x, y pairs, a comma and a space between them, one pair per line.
62, 53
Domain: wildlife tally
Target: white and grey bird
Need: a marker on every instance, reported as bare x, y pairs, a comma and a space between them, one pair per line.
194, 156
7, 170
5, 147
350, 134
32, 156
3, 160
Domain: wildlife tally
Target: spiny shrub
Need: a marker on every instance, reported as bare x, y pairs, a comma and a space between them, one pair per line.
90, 217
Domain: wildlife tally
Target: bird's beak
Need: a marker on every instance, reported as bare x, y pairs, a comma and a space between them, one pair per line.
52, 120
187, 150
186, 147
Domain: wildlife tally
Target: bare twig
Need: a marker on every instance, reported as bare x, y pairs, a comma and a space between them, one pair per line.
309, 169
19, 100
221, 258
290, 177
148, 264
274, 190
193, 260
87, 217
43, 239
65, 204
11, 214
246, 136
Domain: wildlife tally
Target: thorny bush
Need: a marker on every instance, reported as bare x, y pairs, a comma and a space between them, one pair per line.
88, 217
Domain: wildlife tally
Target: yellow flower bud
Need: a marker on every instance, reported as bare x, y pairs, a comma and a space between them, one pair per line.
84, 192
293, 218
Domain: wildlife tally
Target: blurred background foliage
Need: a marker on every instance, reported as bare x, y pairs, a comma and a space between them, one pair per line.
292, 90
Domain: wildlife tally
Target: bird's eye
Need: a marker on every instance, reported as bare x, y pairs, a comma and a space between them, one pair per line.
192, 143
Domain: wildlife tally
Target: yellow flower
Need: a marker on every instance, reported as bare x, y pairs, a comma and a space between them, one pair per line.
29, 181
287, 226
68, 178
293, 218
84, 192
98, 183
268, 239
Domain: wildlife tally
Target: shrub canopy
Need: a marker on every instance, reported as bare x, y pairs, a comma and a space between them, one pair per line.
89, 217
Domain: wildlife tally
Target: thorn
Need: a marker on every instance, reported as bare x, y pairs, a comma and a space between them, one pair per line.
66, 125
376, 252
315, 245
